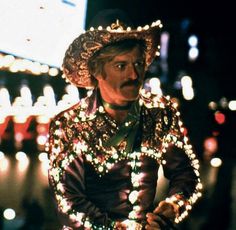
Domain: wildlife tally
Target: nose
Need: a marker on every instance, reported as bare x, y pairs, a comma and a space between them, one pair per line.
132, 72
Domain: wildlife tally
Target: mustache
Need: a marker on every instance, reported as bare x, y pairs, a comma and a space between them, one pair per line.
131, 82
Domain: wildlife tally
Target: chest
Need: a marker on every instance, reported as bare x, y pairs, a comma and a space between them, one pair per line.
90, 139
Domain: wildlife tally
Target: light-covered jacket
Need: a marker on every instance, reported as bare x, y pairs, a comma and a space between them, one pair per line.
101, 172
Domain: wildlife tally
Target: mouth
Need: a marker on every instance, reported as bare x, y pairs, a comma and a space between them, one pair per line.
134, 83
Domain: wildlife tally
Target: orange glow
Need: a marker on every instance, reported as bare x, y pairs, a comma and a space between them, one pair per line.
219, 117
210, 145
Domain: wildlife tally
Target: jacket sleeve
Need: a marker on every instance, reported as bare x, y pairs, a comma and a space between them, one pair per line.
180, 164
66, 180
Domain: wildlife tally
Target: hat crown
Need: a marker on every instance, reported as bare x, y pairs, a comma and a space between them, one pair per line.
114, 18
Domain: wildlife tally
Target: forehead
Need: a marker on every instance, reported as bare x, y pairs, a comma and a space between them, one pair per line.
131, 55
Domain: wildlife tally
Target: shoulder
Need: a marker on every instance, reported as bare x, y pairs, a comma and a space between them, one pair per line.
157, 101
162, 109
74, 114
66, 115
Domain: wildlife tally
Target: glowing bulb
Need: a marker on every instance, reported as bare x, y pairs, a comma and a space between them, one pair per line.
193, 40
43, 157
232, 105
216, 162
155, 86
9, 214
41, 139
21, 156
219, 117
193, 53
1, 155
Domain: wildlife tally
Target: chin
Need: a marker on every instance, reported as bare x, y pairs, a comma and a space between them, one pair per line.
131, 96
130, 93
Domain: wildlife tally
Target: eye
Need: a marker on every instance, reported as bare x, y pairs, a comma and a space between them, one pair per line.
120, 66
139, 64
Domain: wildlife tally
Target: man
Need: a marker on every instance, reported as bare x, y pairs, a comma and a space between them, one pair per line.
106, 150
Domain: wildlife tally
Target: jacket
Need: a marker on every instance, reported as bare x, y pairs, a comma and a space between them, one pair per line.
101, 172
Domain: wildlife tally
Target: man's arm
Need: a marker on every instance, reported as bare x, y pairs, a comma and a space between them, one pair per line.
180, 166
66, 177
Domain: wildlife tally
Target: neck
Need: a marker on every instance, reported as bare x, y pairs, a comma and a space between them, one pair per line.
108, 105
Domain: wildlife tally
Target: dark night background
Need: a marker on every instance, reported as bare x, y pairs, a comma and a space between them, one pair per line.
212, 73
212, 21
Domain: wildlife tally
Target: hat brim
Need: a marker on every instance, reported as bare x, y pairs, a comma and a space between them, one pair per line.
75, 63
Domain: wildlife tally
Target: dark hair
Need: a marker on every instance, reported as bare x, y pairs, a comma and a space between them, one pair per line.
107, 53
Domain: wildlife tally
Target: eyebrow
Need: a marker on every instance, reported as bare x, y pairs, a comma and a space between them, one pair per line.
125, 61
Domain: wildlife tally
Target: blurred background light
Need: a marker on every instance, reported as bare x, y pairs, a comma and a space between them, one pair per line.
216, 162
9, 214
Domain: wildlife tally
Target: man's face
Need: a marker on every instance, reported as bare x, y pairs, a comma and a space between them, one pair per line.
122, 77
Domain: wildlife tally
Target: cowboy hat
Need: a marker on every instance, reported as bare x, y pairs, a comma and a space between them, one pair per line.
108, 26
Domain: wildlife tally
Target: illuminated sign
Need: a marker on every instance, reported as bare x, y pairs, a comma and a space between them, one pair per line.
40, 30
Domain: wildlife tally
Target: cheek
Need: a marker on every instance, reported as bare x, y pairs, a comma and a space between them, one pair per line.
112, 82
113, 79
109, 82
